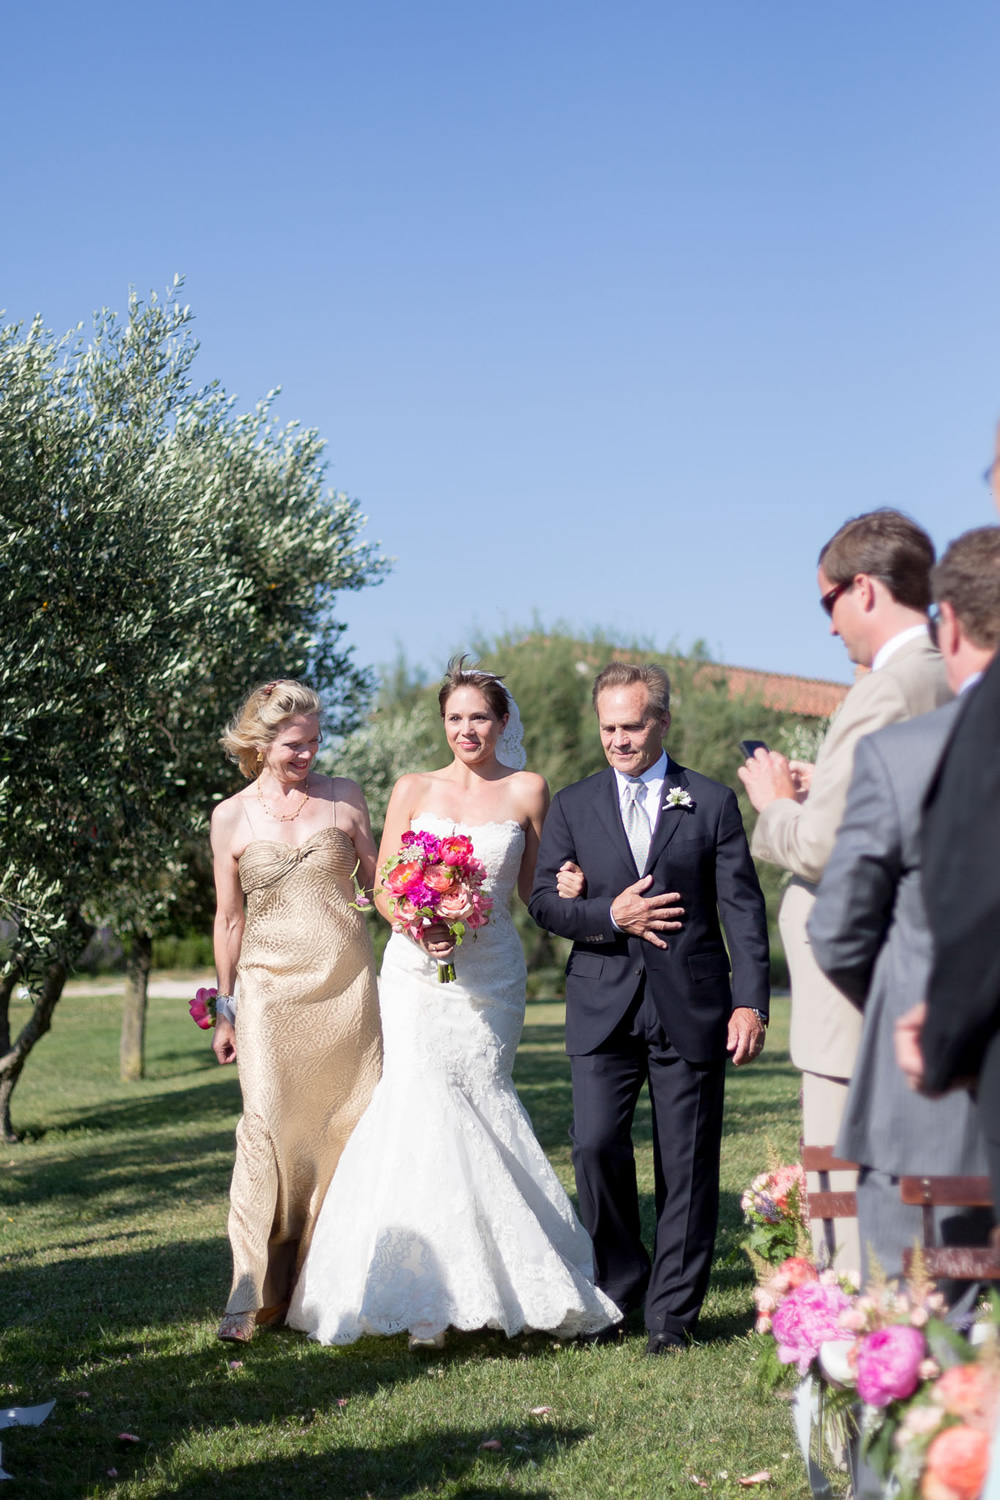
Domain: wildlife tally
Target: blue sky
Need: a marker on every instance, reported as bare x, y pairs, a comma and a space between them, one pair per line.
610, 314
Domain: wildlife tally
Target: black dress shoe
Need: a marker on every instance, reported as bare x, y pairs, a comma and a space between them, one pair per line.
666, 1343
610, 1335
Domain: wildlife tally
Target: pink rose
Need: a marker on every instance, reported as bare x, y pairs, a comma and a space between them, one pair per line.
404, 910
440, 877
806, 1319
889, 1363
454, 906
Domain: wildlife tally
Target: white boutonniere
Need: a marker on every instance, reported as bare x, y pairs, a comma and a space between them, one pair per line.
676, 796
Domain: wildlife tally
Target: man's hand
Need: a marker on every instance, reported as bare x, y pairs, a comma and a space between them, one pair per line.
224, 1040
570, 880
647, 916
746, 1035
909, 1053
768, 778
801, 772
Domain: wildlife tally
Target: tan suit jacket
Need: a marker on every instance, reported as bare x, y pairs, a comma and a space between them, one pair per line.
799, 836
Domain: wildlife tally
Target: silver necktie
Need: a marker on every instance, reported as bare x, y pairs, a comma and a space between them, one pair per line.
636, 820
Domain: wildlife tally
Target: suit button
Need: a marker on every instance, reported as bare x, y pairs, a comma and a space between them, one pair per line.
638, 971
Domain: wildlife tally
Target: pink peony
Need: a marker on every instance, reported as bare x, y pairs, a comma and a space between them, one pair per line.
202, 1012
806, 1319
456, 850
957, 1461
889, 1363
440, 877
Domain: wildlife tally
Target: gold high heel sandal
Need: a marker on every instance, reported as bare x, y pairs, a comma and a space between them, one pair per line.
237, 1328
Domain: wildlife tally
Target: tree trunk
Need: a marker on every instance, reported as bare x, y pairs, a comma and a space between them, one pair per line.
47, 996
132, 1050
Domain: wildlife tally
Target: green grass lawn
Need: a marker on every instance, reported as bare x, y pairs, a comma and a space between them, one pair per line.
115, 1269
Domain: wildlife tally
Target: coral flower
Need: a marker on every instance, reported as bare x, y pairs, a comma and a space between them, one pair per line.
798, 1270
440, 877
405, 875
957, 1461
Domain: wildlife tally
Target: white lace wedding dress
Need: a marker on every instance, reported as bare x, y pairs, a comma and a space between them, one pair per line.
444, 1209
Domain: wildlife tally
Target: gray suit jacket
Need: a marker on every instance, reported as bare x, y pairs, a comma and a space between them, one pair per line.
869, 934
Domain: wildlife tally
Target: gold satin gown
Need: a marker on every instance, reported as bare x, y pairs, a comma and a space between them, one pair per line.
309, 1053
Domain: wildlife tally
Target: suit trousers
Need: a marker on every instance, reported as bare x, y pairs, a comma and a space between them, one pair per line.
823, 1101
686, 1103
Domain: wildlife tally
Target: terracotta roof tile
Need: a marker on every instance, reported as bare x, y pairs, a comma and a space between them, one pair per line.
811, 697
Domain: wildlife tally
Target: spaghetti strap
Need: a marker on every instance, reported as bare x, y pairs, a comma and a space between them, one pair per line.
243, 804
333, 799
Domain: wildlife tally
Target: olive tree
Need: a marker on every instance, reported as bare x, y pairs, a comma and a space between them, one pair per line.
161, 553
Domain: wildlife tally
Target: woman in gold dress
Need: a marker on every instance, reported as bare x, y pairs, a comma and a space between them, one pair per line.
306, 1028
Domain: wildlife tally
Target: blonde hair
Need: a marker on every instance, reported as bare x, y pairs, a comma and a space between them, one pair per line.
263, 714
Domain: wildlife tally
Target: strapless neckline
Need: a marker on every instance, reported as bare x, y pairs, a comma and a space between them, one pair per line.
296, 848
455, 823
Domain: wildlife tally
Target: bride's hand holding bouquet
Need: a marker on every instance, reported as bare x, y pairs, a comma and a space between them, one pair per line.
434, 892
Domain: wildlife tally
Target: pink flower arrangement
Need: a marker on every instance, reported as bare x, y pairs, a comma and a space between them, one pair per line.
774, 1205
436, 880
925, 1427
202, 1008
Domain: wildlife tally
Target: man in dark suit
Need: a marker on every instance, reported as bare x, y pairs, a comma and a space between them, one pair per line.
646, 833
956, 1039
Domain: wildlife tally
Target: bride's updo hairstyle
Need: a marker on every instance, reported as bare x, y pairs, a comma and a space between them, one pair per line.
458, 676
264, 713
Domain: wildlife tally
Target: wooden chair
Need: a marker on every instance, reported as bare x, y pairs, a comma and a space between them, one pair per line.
959, 1262
828, 1204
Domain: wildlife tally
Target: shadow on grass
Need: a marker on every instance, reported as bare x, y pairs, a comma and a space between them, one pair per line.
442, 1461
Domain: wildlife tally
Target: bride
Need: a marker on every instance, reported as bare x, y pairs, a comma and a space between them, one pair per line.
444, 1210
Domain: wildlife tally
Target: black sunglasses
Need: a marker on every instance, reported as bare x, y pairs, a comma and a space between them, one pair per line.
829, 600
989, 471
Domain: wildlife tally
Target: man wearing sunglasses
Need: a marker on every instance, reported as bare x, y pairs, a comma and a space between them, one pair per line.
874, 584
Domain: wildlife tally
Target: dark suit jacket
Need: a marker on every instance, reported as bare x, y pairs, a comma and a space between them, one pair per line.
702, 853
961, 881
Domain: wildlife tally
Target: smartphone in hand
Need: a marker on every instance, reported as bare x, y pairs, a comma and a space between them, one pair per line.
748, 748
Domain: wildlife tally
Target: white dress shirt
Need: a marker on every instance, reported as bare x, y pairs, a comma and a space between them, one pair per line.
649, 798
652, 786
882, 655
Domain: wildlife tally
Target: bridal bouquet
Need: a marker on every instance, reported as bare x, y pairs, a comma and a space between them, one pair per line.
436, 880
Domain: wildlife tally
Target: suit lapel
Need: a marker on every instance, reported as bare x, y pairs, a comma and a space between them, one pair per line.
669, 819
609, 812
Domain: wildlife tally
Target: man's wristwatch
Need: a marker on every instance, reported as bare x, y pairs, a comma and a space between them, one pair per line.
760, 1016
